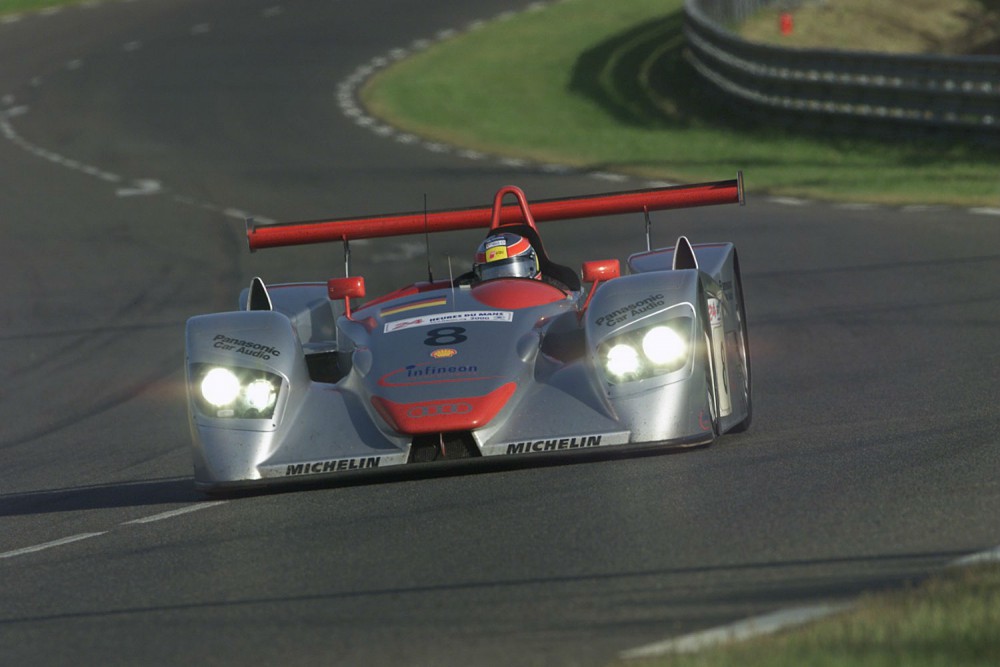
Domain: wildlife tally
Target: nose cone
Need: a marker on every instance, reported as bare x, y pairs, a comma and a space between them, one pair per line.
516, 293
443, 415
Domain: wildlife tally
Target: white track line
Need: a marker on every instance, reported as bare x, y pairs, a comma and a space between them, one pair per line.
83, 536
988, 556
177, 512
738, 631
770, 623
138, 187
49, 545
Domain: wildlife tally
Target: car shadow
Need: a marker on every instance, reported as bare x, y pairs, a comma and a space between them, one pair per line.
100, 496
176, 490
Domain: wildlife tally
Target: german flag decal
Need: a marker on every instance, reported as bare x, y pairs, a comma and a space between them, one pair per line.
413, 305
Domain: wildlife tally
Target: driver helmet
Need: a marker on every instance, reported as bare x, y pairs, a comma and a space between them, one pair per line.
505, 255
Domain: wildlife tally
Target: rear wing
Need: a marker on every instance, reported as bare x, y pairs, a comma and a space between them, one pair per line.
589, 206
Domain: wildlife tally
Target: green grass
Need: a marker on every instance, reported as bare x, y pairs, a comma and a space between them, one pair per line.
604, 85
13, 6
951, 620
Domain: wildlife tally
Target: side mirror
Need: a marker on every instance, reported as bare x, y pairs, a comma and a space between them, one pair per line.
596, 272
601, 270
345, 288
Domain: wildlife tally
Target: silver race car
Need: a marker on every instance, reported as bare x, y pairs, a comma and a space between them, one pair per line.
518, 358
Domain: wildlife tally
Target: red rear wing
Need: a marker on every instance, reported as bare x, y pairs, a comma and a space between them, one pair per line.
616, 203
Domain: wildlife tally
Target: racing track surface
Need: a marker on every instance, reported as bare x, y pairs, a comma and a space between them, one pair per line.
136, 134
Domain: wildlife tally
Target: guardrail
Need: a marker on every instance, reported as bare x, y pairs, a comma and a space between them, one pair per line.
913, 90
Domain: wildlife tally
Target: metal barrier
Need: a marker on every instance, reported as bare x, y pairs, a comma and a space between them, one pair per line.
929, 91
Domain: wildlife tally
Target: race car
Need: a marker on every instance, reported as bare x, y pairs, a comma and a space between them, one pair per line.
518, 358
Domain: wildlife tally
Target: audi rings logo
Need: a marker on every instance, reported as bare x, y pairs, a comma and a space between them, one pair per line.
438, 410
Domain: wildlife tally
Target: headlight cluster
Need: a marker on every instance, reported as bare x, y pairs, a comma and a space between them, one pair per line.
238, 393
647, 352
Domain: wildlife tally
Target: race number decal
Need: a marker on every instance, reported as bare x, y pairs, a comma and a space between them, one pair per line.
446, 336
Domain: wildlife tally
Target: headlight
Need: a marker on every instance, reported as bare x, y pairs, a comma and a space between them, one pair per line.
260, 395
220, 387
238, 393
643, 353
663, 346
623, 360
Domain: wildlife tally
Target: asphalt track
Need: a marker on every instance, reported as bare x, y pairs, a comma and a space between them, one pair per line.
136, 134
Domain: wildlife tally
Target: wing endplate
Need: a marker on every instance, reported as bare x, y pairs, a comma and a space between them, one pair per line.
615, 203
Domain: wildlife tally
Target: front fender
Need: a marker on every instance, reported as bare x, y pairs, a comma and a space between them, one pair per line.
231, 447
661, 403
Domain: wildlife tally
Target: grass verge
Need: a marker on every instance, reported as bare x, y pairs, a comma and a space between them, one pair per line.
949, 620
14, 6
604, 86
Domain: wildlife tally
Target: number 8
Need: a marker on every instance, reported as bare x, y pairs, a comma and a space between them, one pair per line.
446, 336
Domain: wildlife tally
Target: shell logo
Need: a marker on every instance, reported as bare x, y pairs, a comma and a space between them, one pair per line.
444, 353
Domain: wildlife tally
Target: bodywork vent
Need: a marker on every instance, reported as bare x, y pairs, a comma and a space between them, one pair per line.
443, 447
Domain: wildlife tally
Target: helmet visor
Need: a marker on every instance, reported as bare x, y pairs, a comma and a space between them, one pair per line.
513, 267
